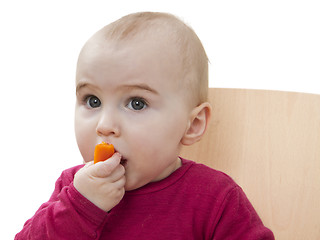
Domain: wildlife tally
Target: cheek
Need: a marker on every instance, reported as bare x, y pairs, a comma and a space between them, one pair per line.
158, 136
85, 137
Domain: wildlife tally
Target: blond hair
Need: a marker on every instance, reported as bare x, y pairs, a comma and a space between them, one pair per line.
189, 46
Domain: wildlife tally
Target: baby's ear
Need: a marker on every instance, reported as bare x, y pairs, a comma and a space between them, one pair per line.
198, 122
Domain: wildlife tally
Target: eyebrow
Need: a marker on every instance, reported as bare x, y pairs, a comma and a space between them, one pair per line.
141, 86
81, 85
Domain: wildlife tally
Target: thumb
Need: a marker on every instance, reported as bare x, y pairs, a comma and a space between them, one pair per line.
105, 168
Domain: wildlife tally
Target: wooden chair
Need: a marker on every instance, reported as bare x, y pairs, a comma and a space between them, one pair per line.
269, 143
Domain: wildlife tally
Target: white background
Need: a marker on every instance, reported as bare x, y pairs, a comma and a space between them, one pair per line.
255, 44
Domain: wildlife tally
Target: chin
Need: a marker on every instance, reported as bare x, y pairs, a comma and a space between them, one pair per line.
133, 186
129, 188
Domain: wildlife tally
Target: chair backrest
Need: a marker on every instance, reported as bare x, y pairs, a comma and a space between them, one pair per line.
269, 143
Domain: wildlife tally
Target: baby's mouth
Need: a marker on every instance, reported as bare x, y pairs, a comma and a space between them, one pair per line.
123, 161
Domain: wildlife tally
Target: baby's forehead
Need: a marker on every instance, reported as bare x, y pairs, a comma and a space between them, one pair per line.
157, 43
146, 40
156, 49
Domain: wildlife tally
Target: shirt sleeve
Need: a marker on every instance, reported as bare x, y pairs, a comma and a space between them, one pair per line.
67, 215
238, 219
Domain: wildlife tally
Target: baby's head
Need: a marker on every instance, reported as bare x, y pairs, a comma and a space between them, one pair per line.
167, 32
142, 85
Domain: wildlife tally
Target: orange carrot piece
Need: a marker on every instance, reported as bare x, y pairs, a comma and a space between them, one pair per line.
102, 152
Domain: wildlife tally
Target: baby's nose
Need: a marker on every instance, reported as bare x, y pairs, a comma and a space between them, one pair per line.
108, 125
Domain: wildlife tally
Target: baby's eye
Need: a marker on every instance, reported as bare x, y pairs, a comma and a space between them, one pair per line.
93, 101
137, 104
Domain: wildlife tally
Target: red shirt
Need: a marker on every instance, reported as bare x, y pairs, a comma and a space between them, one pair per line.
194, 202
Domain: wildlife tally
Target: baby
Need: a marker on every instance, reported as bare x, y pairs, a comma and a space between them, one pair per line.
141, 85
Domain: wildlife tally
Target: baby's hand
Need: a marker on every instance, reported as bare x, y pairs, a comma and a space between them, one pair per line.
102, 183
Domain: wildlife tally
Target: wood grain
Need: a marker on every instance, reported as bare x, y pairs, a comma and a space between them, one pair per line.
269, 142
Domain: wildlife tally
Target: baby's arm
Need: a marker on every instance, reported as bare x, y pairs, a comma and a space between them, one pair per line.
68, 213
239, 220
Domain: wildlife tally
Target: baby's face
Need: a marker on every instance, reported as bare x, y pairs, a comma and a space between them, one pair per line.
128, 95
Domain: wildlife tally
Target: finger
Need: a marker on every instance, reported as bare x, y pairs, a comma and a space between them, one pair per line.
88, 164
120, 183
105, 168
118, 173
